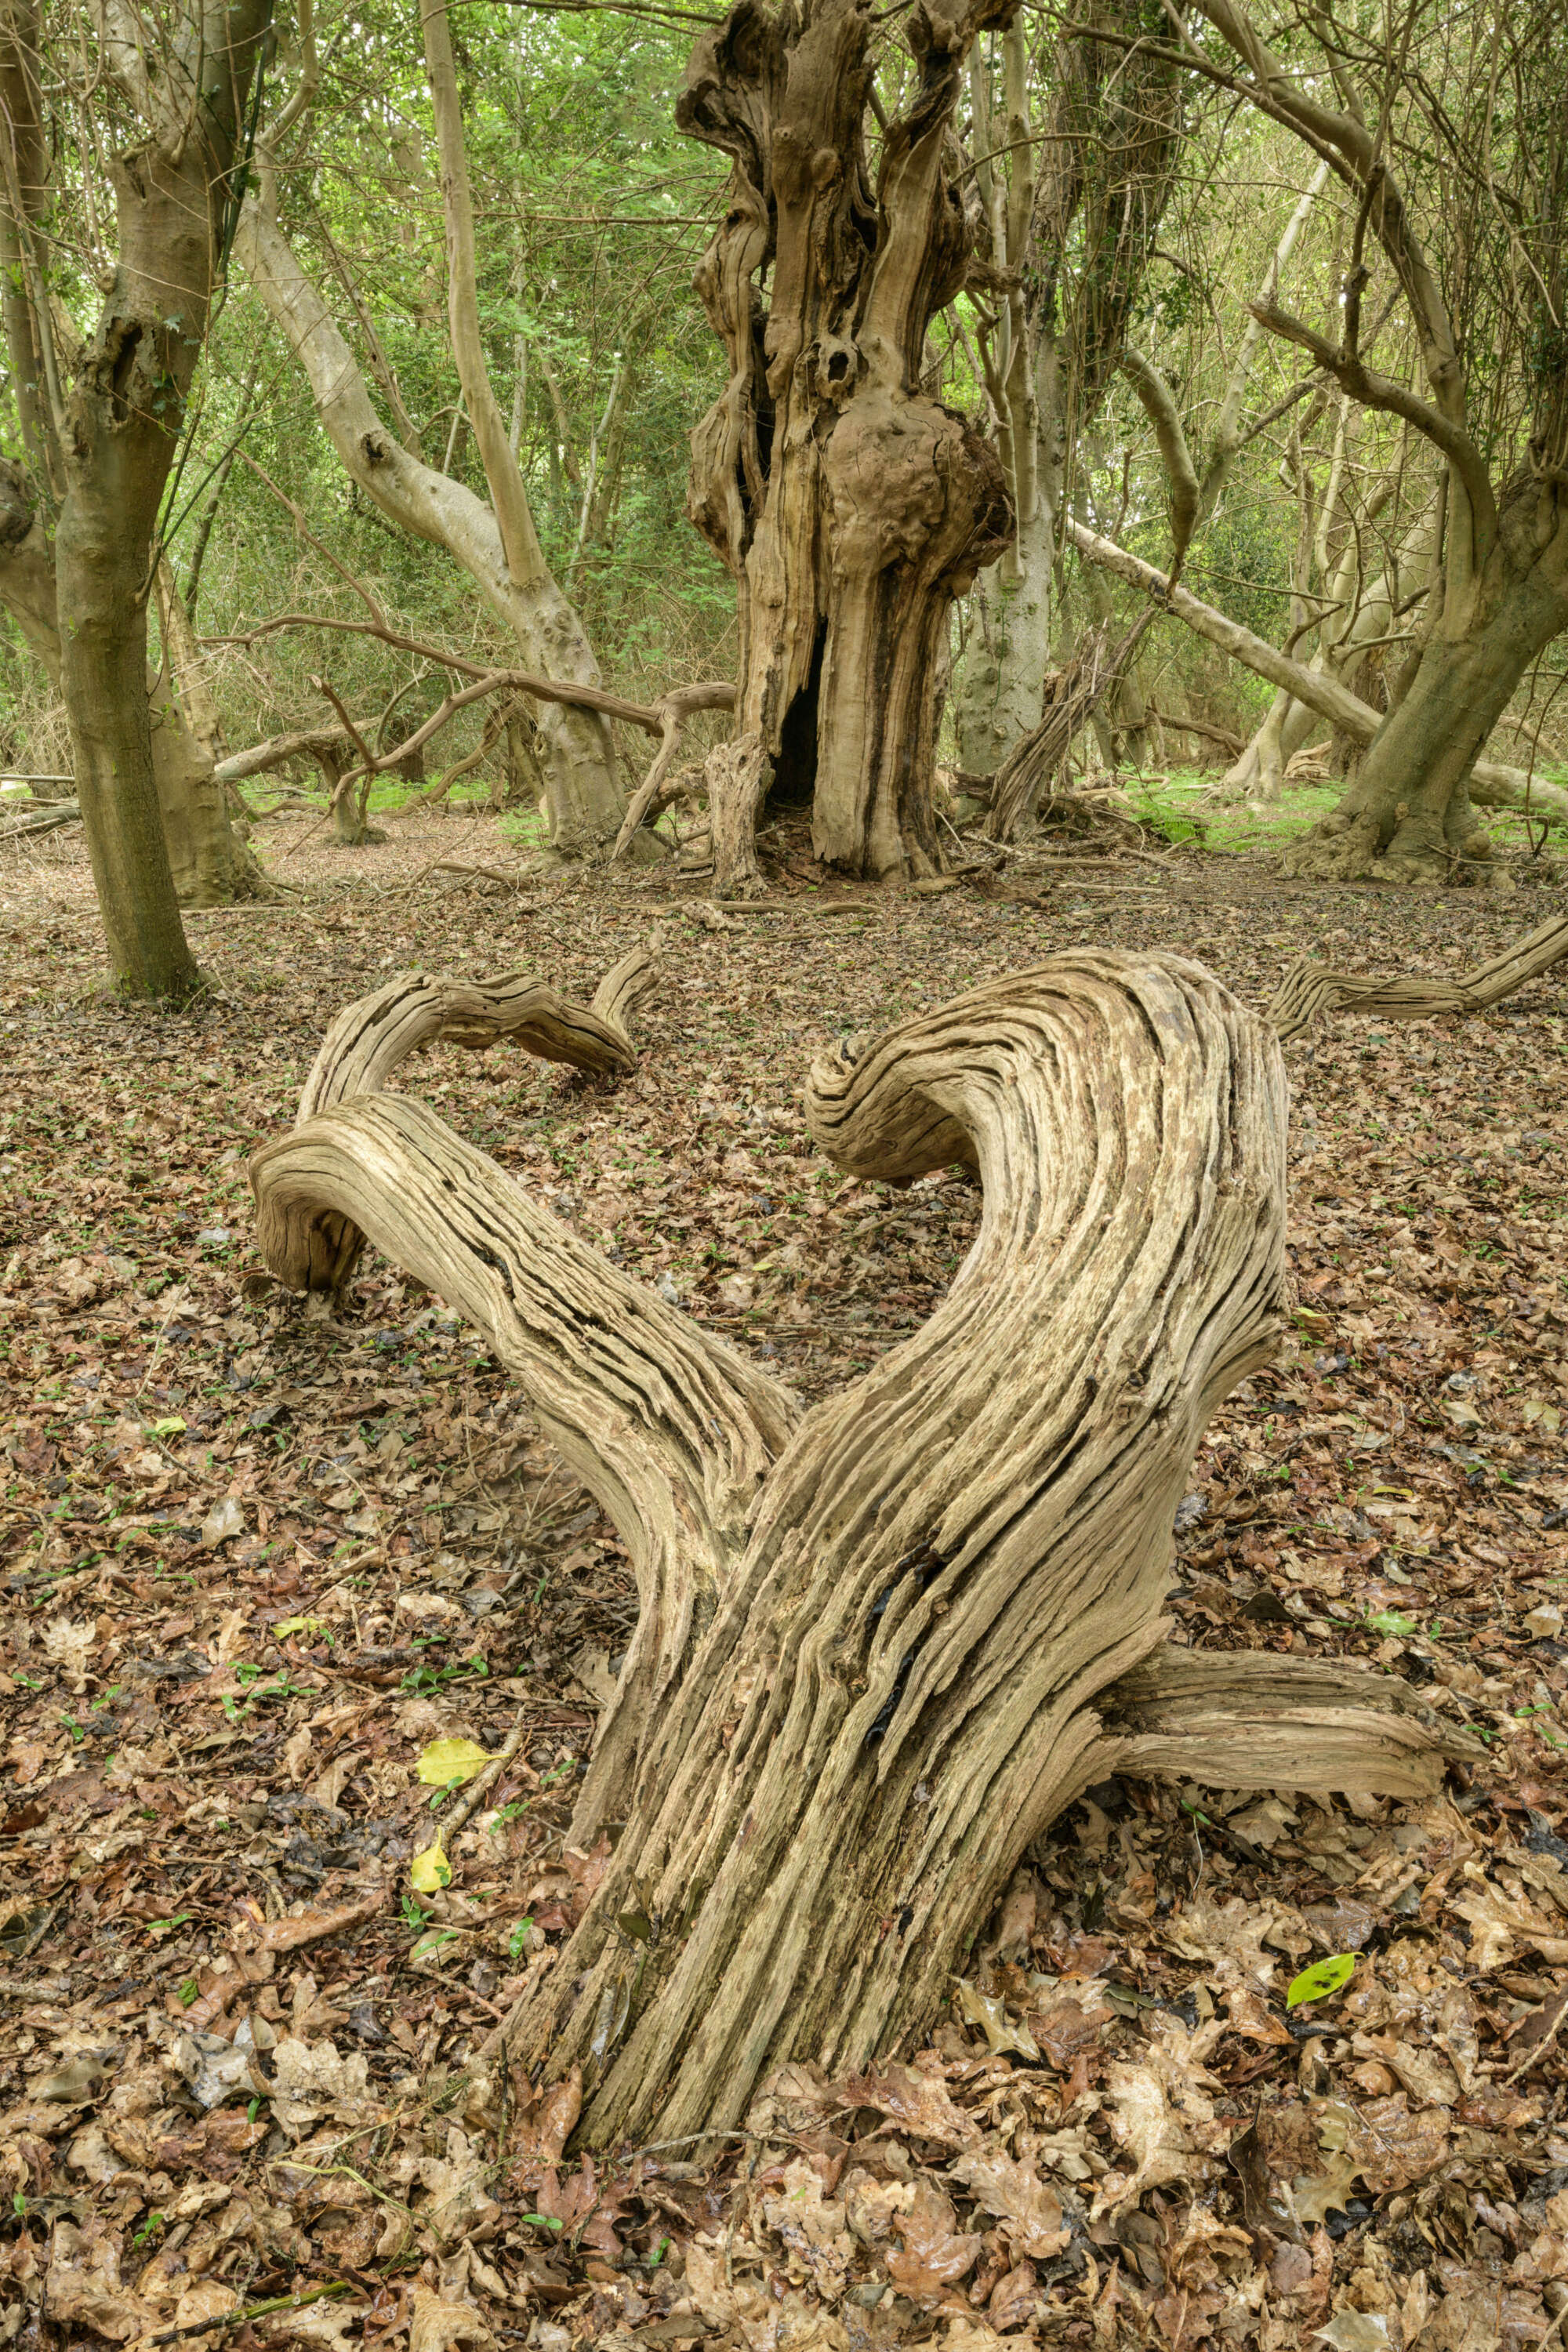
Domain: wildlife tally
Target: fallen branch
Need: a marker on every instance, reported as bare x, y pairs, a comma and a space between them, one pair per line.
484, 1781
717, 696
1220, 735
45, 819
1080, 689
674, 711
1491, 784
1309, 989
277, 751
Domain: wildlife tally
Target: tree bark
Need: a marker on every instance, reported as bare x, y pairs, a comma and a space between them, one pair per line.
209, 863
884, 1642
1407, 811
850, 507
577, 749
120, 426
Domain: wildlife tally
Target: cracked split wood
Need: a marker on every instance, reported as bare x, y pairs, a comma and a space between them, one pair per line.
882, 1642
1309, 989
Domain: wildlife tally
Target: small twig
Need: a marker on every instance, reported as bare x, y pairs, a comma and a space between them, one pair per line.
224, 2320
1537, 2050
484, 1781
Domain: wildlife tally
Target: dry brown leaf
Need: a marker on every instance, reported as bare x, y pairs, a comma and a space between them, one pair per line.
1013, 2193
914, 2097
935, 2252
82, 2286
435, 2325
313, 2083
811, 2227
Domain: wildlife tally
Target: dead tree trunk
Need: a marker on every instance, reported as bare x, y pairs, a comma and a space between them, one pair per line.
850, 507
882, 1643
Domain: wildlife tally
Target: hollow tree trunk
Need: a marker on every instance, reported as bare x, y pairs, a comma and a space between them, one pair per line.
881, 1644
850, 508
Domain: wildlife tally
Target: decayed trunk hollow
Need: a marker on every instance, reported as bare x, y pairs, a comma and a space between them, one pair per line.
883, 1643
850, 507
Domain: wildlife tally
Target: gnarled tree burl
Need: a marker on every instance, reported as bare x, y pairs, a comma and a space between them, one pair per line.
882, 1642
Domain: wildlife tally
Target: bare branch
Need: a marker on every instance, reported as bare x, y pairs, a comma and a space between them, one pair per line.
1375, 391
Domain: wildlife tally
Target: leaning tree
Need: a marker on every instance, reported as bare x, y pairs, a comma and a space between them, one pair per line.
849, 504
1450, 148
884, 1642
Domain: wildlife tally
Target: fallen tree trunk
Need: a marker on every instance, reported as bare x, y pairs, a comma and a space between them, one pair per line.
882, 1643
1491, 784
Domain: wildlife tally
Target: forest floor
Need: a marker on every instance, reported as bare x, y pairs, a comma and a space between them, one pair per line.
259, 1558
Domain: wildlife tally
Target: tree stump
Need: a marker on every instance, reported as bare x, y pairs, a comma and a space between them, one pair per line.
885, 1641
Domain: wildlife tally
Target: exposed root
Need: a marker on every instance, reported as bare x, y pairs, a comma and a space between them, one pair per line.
1309, 989
1249, 1720
882, 1645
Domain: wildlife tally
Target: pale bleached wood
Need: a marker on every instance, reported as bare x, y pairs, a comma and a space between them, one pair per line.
1310, 989
883, 1645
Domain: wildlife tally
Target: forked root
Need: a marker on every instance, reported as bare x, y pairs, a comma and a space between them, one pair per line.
1248, 1720
882, 1643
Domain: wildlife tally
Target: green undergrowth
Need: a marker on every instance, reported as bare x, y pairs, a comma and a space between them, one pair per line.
1177, 804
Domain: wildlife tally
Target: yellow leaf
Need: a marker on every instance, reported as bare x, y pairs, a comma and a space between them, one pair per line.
430, 1871
446, 1761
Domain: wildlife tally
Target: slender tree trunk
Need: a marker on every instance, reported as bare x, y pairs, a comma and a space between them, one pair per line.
577, 749
999, 698
209, 863
100, 562
118, 427
1489, 783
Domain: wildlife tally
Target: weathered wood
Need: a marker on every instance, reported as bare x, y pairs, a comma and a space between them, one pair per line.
850, 507
1308, 988
882, 1645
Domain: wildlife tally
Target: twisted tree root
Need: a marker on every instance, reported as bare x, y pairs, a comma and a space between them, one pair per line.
1308, 988
882, 1645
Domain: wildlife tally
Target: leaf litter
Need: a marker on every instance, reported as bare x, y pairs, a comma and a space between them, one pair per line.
279, 1582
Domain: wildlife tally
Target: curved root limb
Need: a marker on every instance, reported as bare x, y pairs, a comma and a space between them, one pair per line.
1309, 989
1255, 1721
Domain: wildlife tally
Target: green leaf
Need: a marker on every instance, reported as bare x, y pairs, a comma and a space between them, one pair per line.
1391, 1620
1323, 1978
